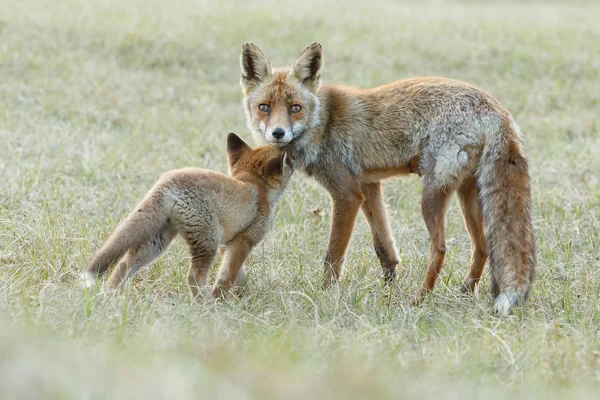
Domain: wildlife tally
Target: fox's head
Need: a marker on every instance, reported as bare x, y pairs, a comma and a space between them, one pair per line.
281, 103
264, 165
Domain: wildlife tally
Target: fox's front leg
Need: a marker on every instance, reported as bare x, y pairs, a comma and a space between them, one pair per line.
235, 254
240, 281
374, 210
345, 208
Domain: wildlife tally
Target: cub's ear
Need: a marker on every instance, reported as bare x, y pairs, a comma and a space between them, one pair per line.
236, 147
276, 165
255, 67
309, 67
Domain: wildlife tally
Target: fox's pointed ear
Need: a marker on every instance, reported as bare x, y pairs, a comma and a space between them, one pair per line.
309, 67
236, 147
276, 165
255, 67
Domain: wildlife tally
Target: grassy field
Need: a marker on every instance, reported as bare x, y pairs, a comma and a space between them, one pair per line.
98, 98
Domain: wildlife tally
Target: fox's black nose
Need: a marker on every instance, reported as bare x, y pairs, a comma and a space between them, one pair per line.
278, 133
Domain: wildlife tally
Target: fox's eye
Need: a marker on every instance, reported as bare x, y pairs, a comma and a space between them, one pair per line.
296, 108
264, 108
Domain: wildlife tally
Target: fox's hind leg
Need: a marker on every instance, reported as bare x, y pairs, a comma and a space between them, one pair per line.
204, 246
469, 203
433, 207
118, 275
139, 257
374, 210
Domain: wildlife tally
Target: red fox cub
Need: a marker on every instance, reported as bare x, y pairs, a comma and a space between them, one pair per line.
454, 135
208, 209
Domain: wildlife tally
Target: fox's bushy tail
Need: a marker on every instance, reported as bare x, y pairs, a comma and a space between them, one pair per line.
147, 220
505, 196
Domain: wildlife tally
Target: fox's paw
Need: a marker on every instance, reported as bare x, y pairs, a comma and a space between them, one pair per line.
199, 293
505, 303
389, 274
468, 286
328, 282
241, 278
221, 291
329, 279
418, 298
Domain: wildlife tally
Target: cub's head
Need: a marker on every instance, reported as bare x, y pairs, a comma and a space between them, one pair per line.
263, 164
281, 104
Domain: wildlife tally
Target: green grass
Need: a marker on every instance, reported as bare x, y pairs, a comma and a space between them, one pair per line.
98, 98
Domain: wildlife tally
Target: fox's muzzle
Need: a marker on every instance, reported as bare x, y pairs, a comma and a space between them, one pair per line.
279, 136
278, 133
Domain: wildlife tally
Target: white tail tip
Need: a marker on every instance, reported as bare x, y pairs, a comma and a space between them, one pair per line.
88, 279
505, 303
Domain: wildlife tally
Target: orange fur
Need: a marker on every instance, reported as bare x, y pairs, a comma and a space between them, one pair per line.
454, 135
208, 209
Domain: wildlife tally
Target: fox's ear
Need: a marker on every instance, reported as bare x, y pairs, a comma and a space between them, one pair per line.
309, 66
236, 147
276, 165
255, 67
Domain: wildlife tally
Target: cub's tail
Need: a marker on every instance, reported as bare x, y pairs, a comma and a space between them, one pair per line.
147, 220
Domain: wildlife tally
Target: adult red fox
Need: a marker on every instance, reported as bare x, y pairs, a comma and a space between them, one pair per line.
208, 209
454, 135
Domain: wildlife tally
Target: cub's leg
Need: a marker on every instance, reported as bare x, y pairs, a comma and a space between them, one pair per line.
203, 245
236, 252
240, 281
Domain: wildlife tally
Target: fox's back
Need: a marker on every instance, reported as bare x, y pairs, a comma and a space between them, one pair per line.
209, 197
390, 125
